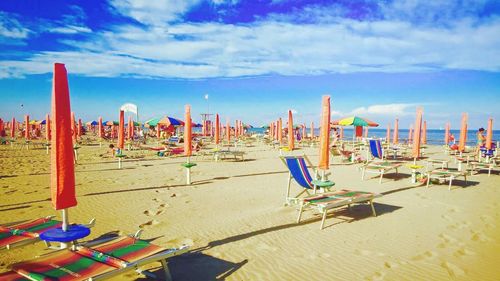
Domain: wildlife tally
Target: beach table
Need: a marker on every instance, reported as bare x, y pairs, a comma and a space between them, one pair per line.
414, 169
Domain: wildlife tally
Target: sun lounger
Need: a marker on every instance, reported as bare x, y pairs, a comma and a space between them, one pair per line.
379, 168
25, 233
331, 200
99, 262
446, 174
297, 167
477, 166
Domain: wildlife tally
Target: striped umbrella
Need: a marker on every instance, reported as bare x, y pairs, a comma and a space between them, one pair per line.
354, 121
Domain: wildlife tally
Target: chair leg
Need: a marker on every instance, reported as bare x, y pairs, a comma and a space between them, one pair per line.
381, 176
373, 208
428, 179
449, 185
323, 220
288, 187
166, 271
363, 174
300, 212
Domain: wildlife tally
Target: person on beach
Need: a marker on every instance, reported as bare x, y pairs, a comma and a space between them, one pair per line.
481, 139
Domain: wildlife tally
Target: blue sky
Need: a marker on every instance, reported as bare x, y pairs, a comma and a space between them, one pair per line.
255, 59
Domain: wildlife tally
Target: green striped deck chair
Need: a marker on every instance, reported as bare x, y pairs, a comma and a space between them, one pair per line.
379, 168
328, 201
99, 262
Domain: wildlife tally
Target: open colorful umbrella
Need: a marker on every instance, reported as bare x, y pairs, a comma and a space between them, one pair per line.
354, 121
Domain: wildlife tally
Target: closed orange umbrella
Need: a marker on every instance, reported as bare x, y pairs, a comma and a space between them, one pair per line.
228, 131
312, 130
217, 128
447, 134
158, 131
187, 132
341, 132
463, 133
424, 133
388, 135
101, 135
13, 128
280, 131
324, 136
291, 138
121, 130
236, 129
62, 169
73, 127
47, 127
303, 130
396, 132
130, 129
418, 134
27, 126
489, 134
271, 129
79, 131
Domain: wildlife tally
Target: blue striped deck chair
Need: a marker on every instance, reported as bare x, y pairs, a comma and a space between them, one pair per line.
376, 149
297, 169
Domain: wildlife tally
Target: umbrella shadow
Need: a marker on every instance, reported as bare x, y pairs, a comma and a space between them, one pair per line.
15, 208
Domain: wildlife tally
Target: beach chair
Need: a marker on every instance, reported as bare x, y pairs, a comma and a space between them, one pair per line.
98, 262
446, 174
331, 200
297, 169
378, 167
25, 233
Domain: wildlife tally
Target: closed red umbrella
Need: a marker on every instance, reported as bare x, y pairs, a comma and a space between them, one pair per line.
489, 134
187, 132
291, 137
73, 127
217, 128
236, 129
324, 137
418, 134
228, 131
13, 128
27, 127
47, 127
101, 131
158, 131
396, 132
121, 130
62, 170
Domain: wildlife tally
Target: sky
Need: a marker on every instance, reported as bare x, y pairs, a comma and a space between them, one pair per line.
255, 59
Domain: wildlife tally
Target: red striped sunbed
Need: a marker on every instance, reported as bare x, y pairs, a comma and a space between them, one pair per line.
97, 263
25, 233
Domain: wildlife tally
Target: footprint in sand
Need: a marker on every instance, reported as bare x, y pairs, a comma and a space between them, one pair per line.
425, 255
479, 236
461, 252
377, 276
149, 223
453, 270
148, 213
362, 252
390, 265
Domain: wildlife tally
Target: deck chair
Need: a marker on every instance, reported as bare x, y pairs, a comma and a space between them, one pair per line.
99, 262
446, 174
331, 200
25, 233
297, 169
378, 167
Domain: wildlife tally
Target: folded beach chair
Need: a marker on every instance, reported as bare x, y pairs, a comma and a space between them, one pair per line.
99, 262
376, 149
328, 201
446, 174
25, 233
297, 169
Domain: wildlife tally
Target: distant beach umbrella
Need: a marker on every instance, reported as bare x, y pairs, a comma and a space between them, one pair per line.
447, 134
62, 169
366, 132
13, 128
410, 134
324, 136
101, 131
27, 127
418, 134
424, 132
312, 130
303, 130
121, 130
388, 134
291, 137
228, 131
463, 133
341, 132
73, 127
130, 129
489, 134
396, 132
47, 127
187, 131
79, 131
217, 128
280, 130
355, 121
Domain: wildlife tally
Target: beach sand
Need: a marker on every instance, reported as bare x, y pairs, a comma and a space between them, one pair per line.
233, 217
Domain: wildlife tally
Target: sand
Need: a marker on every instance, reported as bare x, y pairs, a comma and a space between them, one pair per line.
233, 217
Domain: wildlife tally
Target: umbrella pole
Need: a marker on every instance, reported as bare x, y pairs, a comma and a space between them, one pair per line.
188, 172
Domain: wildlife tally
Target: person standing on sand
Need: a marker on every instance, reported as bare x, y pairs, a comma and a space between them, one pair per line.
481, 139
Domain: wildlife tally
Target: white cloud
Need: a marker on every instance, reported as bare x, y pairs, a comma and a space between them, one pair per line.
70, 29
11, 28
395, 109
336, 113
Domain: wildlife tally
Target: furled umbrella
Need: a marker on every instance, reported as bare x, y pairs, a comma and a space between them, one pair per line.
312, 130
280, 131
27, 127
101, 131
291, 137
13, 128
324, 137
388, 134
188, 143
463, 133
73, 127
447, 134
395, 138
418, 135
489, 134
217, 129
